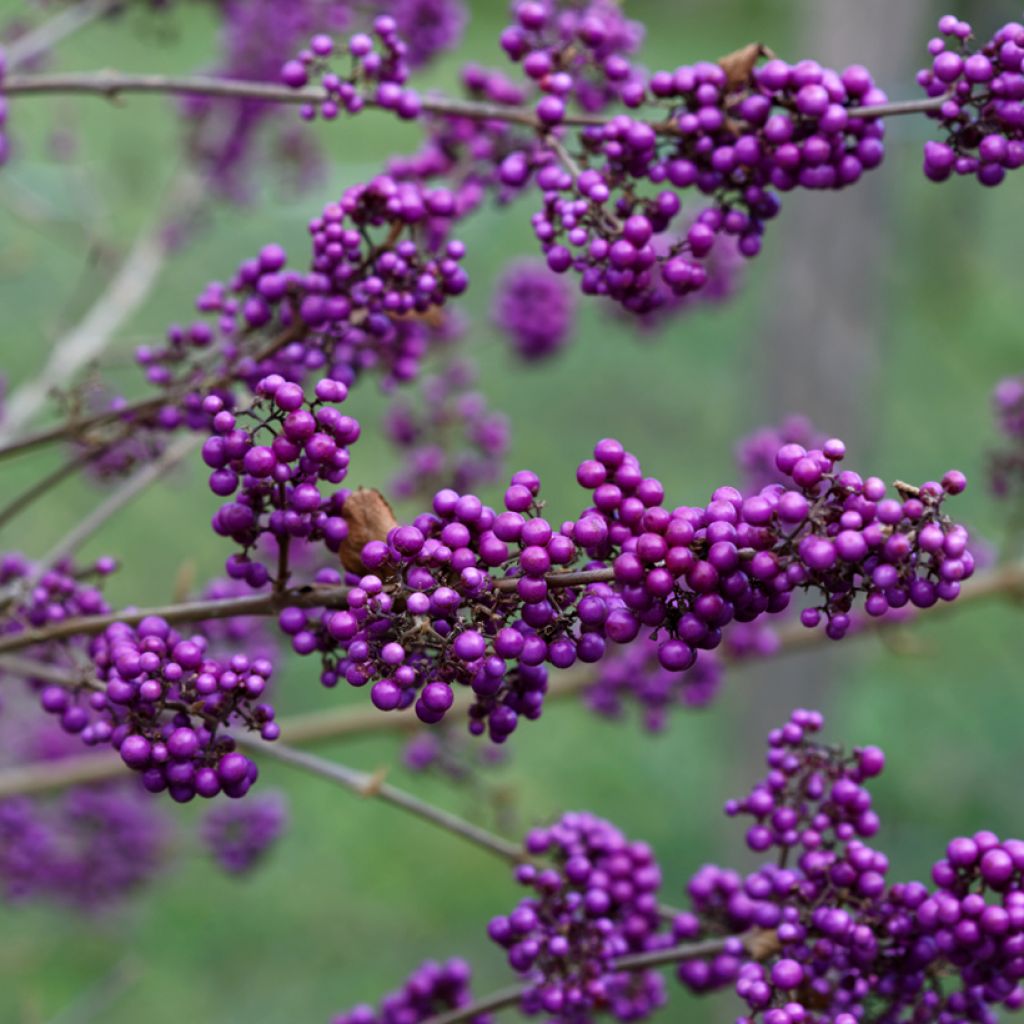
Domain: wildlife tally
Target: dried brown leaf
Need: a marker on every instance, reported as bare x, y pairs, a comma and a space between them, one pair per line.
763, 943
739, 65
369, 517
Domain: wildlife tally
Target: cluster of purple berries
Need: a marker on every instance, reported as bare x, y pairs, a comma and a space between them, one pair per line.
468, 596
596, 903
534, 309
840, 936
379, 72
812, 796
240, 834
414, 270
577, 52
226, 137
723, 273
448, 439
784, 127
161, 702
274, 472
982, 114
818, 935
430, 990
1007, 464
268, 320
31, 600
425, 615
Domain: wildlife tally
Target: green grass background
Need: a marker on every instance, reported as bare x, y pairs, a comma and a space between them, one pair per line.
356, 895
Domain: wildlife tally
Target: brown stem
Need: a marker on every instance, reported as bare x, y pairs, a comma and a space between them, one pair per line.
372, 786
78, 425
110, 84
316, 726
1008, 580
117, 500
42, 487
257, 604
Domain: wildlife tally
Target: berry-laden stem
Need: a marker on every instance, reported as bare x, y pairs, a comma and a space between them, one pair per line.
258, 604
111, 84
367, 785
310, 727
20, 502
336, 723
1008, 580
77, 426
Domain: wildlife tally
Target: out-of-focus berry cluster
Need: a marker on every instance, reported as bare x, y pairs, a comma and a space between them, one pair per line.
449, 438
431, 989
1006, 464
240, 834
534, 309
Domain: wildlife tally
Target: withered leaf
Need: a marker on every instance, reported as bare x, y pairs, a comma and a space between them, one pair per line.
763, 943
369, 517
739, 65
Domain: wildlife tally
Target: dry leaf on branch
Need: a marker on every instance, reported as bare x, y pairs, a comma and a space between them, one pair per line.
369, 517
739, 65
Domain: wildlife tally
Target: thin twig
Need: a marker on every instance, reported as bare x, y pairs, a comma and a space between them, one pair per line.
95, 1002
189, 611
126, 292
899, 109
45, 36
124, 495
109, 84
42, 487
1008, 579
500, 1000
77, 425
316, 726
364, 784
258, 604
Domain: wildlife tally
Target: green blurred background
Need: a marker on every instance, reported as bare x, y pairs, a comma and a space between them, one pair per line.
887, 313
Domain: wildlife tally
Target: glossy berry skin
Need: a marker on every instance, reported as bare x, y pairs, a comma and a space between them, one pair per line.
161, 701
981, 113
596, 903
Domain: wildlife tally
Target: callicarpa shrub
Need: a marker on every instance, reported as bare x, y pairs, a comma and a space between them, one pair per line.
463, 614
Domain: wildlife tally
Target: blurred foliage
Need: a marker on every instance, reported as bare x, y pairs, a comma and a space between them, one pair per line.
356, 895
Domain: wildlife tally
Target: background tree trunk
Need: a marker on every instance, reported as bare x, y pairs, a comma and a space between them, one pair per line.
819, 352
